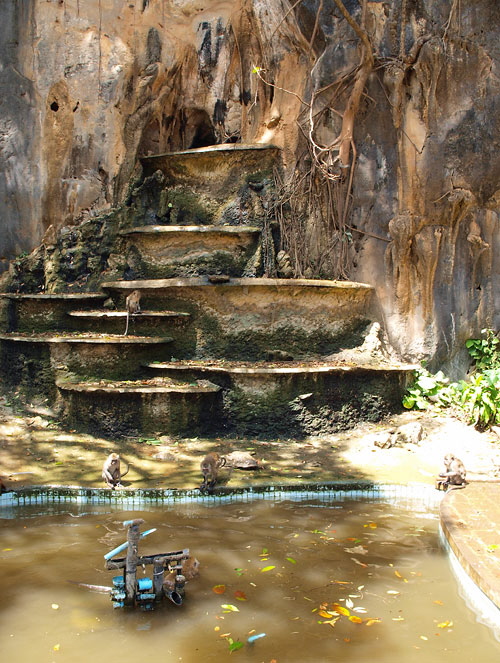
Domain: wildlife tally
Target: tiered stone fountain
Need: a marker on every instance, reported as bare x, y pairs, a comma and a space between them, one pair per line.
219, 347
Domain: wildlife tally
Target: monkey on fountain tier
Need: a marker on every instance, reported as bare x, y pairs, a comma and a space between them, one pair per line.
170, 572
133, 306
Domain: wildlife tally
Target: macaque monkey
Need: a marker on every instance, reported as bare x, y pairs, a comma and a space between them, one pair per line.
190, 568
133, 305
111, 471
210, 466
454, 475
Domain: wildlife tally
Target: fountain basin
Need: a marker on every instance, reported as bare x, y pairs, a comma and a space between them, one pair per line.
246, 318
168, 251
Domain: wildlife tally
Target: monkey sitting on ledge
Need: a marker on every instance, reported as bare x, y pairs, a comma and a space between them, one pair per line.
111, 471
210, 466
454, 475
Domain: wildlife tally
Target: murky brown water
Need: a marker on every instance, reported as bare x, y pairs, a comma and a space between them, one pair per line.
382, 564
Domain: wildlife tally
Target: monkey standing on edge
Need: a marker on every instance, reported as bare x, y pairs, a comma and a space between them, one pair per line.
454, 475
111, 472
210, 466
133, 305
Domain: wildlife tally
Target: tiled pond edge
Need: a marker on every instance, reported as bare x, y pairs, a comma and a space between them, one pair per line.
482, 606
422, 497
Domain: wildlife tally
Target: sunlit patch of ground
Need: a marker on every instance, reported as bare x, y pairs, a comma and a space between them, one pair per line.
43, 452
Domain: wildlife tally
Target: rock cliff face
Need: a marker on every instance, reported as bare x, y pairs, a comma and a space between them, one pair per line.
391, 108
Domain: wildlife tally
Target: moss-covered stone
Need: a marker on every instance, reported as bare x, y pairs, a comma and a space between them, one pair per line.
257, 344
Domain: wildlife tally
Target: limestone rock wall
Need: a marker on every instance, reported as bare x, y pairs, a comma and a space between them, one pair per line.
88, 86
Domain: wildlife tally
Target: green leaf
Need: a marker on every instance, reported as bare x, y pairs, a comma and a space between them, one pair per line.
267, 568
228, 607
234, 645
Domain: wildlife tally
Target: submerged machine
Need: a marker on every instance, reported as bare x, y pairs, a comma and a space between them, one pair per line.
167, 582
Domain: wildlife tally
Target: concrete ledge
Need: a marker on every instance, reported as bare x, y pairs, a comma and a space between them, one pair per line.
60, 296
470, 521
197, 281
193, 230
108, 339
280, 368
417, 496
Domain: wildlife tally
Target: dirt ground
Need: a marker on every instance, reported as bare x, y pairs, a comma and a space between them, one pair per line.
36, 450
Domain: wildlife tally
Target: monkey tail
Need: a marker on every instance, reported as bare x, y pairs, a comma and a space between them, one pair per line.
222, 461
128, 468
126, 326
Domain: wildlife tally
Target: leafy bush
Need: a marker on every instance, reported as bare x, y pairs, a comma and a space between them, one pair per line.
485, 351
478, 398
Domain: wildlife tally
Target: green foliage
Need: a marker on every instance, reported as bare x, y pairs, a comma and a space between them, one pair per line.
485, 351
425, 390
480, 398
477, 398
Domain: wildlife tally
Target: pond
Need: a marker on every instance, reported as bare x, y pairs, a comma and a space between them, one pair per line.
324, 580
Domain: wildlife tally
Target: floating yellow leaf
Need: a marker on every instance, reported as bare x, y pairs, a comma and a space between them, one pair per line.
393, 591
239, 595
423, 637
267, 568
446, 624
398, 574
54, 606
355, 619
326, 615
438, 602
219, 589
6, 549
216, 628
56, 647
340, 610
373, 620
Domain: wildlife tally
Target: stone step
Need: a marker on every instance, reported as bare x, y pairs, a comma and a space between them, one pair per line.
98, 315
162, 251
255, 369
213, 233
42, 311
221, 168
35, 361
158, 406
83, 338
243, 318
299, 398
150, 323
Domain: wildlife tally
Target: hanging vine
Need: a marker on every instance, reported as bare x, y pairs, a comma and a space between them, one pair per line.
314, 204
